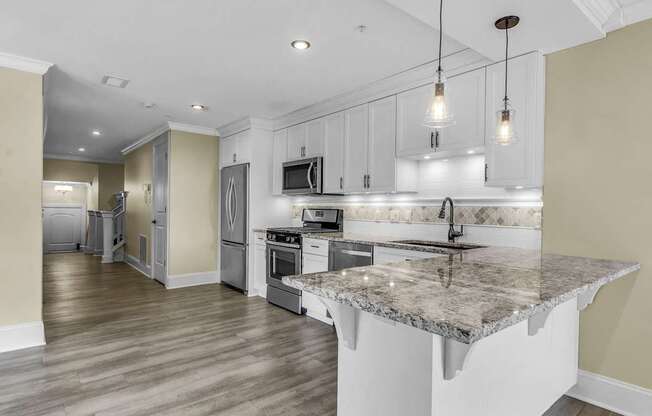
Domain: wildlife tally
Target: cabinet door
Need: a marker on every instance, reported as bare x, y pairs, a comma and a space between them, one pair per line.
520, 163
260, 272
467, 96
314, 264
296, 142
243, 146
280, 153
314, 138
334, 153
356, 136
314, 308
228, 151
382, 145
412, 137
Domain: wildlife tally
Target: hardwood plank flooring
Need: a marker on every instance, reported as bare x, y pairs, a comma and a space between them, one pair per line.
121, 344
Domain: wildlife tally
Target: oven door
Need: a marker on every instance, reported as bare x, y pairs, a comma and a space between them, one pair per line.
282, 260
303, 177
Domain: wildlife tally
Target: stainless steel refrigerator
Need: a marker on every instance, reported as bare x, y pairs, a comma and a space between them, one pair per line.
234, 191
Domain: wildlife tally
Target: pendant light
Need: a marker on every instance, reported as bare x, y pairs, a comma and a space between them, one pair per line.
505, 117
439, 113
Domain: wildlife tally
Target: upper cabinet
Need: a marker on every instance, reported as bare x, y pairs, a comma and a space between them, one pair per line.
306, 140
356, 137
519, 164
280, 154
235, 149
467, 98
333, 175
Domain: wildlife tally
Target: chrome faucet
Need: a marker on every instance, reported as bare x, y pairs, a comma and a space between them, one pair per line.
452, 233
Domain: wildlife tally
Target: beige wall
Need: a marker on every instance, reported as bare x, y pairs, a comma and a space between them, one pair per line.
597, 195
78, 195
111, 181
193, 203
21, 172
138, 172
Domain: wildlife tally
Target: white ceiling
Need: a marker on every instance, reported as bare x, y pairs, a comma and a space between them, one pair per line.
231, 55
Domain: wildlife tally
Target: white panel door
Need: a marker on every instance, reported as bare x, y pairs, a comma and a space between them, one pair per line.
280, 154
297, 142
412, 137
467, 96
356, 137
61, 228
160, 209
518, 163
314, 138
382, 145
334, 154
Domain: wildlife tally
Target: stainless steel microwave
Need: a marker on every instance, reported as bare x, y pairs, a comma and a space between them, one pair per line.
303, 177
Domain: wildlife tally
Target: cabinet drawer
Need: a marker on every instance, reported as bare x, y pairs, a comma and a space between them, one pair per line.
315, 246
384, 255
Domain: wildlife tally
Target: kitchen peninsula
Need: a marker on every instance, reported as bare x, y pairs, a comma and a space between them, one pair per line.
491, 331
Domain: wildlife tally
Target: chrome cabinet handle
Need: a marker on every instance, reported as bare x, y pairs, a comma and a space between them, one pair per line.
368, 181
486, 169
437, 139
234, 158
432, 139
341, 184
314, 246
356, 253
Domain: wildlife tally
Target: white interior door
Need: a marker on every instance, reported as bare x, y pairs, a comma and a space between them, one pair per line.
160, 210
61, 228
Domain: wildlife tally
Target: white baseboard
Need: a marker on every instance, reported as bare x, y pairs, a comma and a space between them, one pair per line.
16, 337
107, 259
611, 394
191, 279
136, 264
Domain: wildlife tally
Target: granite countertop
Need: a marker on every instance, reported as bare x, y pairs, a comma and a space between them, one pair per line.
465, 296
384, 241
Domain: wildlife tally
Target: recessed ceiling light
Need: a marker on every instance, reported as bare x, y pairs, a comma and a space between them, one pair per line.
198, 107
300, 44
96, 133
471, 152
81, 149
427, 157
113, 81
519, 187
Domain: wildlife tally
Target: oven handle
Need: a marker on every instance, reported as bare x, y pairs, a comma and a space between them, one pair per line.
274, 243
273, 262
356, 253
309, 175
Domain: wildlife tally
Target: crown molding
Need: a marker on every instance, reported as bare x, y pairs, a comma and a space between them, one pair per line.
145, 139
598, 11
628, 15
243, 124
54, 156
189, 128
21, 63
455, 64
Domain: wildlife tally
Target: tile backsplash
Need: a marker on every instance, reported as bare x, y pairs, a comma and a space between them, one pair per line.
505, 216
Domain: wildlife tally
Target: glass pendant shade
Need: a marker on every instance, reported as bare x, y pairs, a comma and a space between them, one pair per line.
439, 113
505, 126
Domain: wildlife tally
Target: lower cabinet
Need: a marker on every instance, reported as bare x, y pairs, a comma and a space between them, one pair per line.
260, 263
384, 255
312, 263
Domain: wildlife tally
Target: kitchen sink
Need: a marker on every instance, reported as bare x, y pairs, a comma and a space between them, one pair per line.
439, 244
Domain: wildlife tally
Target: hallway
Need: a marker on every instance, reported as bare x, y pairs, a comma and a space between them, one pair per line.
121, 344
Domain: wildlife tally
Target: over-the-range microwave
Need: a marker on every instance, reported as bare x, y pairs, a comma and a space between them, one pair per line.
303, 177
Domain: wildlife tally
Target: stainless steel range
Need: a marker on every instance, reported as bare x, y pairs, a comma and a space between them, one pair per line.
284, 254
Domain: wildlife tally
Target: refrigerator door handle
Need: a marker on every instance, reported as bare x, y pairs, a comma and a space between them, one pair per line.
235, 203
231, 222
227, 203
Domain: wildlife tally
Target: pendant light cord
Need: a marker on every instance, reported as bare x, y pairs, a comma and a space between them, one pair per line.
506, 57
441, 8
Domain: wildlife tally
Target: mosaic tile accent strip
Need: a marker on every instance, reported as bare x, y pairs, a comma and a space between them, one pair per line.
529, 217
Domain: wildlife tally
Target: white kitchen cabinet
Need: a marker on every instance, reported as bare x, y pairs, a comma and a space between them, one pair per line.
385, 255
333, 170
260, 265
520, 163
467, 97
312, 263
356, 138
306, 140
381, 150
235, 149
280, 154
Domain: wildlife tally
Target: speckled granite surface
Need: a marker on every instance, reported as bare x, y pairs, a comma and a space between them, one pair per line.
466, 296
383, 241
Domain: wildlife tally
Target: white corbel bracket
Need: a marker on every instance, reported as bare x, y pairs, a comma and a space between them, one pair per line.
537, 321
584, 299
455, 355
345, 318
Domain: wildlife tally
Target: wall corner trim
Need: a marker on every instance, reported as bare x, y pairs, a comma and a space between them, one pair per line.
19, 336
75, 158
611, 394
191, 279
136, 264
22, 63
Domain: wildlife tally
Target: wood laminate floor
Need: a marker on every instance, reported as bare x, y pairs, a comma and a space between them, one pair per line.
121, 344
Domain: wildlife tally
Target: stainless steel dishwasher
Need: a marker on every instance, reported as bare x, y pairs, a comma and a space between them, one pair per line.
342, 255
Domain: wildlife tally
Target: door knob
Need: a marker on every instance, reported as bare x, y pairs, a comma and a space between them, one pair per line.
153, 221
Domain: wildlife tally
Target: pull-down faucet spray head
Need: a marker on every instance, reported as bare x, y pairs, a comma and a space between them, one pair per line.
442, 212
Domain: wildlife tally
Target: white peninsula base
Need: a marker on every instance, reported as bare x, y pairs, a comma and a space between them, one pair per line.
390, 369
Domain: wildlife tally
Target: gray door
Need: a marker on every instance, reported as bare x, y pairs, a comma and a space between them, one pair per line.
234, 192
160, 209
233, 269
